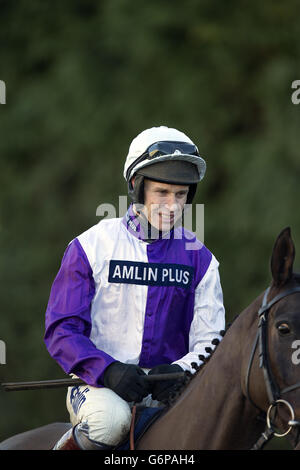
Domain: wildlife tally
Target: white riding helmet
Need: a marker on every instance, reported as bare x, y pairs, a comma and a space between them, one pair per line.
163, 154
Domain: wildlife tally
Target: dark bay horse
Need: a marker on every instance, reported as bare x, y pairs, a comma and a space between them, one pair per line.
251, 378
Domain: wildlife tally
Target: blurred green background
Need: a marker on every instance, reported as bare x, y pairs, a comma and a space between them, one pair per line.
85, 77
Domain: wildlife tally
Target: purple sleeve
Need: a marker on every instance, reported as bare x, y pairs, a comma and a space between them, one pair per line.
68, 320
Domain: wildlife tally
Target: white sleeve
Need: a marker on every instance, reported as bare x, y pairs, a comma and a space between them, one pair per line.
209, 317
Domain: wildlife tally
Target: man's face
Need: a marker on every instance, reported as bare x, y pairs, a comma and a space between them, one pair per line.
163, 203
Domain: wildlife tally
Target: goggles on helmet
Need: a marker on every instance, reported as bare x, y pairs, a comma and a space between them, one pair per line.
164, 148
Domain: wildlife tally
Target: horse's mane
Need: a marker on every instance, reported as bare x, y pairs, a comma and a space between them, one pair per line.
179, 389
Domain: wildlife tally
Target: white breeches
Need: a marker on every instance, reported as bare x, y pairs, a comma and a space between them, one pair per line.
106, 415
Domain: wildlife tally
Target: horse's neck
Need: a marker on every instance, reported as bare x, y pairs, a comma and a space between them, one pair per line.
212, 412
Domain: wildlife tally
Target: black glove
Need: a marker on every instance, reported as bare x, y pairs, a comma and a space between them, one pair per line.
162, 389
127, 381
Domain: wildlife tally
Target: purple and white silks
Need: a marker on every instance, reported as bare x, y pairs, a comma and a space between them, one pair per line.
117, 297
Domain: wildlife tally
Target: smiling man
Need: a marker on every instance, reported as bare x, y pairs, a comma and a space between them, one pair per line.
163, 204
131, 299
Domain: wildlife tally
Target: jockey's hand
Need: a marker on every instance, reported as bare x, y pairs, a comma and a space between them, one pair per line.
161, 390
127, 381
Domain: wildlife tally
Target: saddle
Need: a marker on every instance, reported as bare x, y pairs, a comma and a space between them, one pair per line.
143, 417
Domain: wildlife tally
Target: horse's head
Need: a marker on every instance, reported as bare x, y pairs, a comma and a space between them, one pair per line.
279, 340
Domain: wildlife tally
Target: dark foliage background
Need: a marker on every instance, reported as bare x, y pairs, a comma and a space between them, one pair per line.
83, 78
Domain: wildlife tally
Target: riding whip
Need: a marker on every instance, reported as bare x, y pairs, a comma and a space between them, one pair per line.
59, 383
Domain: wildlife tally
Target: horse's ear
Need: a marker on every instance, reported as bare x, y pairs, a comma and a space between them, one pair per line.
283, 258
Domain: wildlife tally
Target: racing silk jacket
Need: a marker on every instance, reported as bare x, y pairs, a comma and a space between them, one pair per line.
117, 297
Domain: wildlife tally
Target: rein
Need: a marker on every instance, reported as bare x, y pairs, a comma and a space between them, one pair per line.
273, 391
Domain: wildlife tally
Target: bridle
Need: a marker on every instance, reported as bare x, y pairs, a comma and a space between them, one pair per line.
273, 390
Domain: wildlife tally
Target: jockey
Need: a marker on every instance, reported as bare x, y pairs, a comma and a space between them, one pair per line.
135, 295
